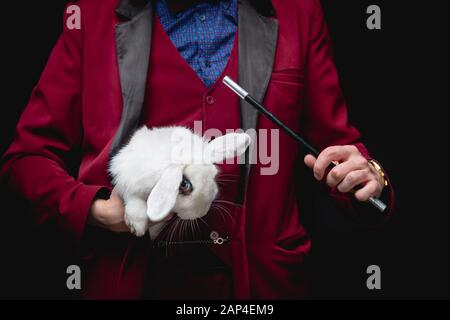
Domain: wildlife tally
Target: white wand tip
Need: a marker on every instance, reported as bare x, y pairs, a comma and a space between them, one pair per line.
235, 87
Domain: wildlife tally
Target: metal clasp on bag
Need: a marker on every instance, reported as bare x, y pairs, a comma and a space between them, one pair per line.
217, 239
214, 238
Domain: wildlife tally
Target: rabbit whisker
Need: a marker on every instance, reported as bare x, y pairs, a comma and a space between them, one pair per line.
191, 229
226, 180
228, 175
225, 202
172, 231
222, 209
194, 231
202, 220
219, 210
198, 226
183, 227
166, 229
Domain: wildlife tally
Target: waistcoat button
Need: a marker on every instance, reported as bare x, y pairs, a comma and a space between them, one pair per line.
210, 100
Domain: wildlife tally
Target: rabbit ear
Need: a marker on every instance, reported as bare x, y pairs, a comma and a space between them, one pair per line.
164, 195
226, 147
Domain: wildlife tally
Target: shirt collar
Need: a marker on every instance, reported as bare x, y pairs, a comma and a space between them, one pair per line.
177, 6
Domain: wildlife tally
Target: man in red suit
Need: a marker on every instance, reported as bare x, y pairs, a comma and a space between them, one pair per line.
120, 70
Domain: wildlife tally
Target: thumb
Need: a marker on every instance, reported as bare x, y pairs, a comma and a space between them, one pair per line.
310, 161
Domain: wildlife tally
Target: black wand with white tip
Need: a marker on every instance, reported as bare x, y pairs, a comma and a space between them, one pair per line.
313, 151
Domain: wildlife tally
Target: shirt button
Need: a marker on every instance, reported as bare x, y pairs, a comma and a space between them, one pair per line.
210, 100
207, 64
202, 18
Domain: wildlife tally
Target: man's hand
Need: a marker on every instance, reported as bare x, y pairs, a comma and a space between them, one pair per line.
352, 170
110, 214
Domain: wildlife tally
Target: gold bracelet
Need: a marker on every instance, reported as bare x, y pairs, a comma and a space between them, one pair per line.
376, 167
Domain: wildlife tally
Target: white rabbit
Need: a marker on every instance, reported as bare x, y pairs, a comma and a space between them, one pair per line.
170, 170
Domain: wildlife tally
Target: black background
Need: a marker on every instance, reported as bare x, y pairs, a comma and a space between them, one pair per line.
394, 82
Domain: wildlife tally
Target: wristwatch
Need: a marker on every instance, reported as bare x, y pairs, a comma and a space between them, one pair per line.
376, 167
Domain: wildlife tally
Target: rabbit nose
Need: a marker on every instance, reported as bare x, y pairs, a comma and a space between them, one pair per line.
169, 217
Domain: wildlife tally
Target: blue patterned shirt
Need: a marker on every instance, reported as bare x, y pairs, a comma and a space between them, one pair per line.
203, 34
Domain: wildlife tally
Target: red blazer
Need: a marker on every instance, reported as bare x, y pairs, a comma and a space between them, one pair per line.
88, 102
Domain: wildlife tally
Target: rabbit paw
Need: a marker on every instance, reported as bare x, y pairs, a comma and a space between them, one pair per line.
136, 217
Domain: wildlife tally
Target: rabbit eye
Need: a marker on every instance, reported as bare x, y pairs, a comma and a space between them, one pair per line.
186, 187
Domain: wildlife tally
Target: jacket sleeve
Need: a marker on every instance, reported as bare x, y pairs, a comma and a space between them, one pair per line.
48, 135
326, 111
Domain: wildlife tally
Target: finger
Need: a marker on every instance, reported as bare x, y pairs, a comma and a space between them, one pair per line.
327, 156
353, 179
371, 189
310, 160
114, 195
116, 203
338, 173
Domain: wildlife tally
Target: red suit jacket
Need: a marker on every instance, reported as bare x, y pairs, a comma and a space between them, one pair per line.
89, 100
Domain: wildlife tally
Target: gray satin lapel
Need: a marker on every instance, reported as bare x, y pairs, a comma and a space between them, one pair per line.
257, 44
258, 37
133, 39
